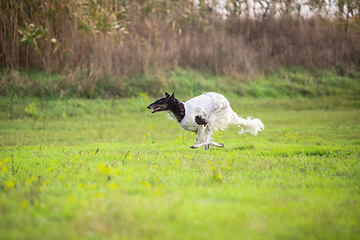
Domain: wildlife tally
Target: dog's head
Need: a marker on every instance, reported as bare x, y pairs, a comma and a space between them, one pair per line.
162, 104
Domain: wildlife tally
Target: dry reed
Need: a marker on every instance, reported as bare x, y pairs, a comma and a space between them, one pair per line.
124, 39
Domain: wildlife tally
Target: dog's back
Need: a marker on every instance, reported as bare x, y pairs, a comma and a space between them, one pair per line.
220, 102
222, 115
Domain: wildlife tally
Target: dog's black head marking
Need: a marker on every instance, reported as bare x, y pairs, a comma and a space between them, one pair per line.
162, 104
168, 103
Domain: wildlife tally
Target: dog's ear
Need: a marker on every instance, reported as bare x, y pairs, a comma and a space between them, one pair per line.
172, 96
167, 95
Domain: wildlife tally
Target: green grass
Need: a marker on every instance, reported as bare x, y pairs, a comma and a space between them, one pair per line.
282, 83
109, 169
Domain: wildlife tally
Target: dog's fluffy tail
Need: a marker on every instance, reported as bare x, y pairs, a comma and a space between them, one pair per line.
252, 126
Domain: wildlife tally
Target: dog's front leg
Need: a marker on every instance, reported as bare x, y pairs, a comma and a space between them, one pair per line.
199, 141
203, 137
209, 130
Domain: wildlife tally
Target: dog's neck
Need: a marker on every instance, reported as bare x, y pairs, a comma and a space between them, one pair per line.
178, 110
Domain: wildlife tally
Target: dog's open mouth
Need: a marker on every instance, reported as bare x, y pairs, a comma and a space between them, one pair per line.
156, 109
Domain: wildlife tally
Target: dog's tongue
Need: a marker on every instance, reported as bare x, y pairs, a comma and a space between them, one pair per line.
154, 110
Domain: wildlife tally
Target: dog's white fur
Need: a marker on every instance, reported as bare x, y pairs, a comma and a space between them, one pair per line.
220, 117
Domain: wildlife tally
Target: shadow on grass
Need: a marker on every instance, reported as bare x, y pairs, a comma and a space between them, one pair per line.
242, 148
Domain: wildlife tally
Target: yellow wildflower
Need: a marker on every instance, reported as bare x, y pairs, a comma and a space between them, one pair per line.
218, 176
10, 184
60, 177
113, 186
146, 184
24, 203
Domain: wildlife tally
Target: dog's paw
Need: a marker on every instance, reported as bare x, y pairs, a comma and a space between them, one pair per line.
207, 146
221, 145
193, 146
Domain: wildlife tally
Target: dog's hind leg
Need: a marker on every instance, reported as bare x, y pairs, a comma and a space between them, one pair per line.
207, 145
200, 144
212, 143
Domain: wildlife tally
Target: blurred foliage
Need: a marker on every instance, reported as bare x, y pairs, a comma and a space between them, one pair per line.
283, 83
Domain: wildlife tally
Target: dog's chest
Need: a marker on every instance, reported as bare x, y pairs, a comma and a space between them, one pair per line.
199, 106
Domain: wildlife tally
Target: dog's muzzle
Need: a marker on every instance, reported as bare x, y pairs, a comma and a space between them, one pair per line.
154, 109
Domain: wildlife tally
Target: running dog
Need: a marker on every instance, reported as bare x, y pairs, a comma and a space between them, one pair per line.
204, 114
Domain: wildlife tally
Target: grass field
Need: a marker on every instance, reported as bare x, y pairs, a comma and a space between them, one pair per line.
109, 169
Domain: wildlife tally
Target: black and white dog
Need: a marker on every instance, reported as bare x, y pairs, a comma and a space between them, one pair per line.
204, 114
